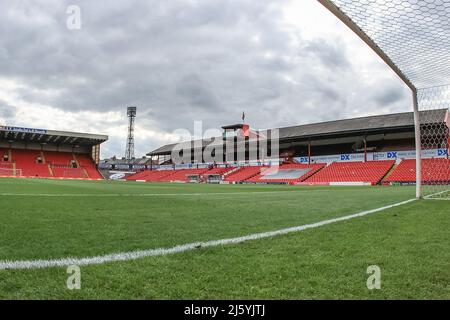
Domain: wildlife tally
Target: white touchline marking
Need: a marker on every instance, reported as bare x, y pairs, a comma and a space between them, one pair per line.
127, 256
150, 194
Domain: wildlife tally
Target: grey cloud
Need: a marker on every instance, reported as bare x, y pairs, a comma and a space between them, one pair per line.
7, 111
330, 53
388, 95
196, 93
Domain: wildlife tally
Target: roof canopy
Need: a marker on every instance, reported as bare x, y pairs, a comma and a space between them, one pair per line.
42, 136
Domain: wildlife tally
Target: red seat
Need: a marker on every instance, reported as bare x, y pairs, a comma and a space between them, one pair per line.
26, 161
219, 171
313, 168
59, 158
369, 172
182, 175
244, 173
51, 164
85, 161
151, 175
433, 170
62, 165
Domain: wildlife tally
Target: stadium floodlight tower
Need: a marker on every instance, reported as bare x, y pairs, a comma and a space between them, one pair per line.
129, 153
412, 37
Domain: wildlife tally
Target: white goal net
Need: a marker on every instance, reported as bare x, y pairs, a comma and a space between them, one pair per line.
7, 172
75, 173
435, 139
412, 37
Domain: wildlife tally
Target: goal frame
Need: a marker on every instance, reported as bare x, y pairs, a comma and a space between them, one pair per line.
333, 8
14, 172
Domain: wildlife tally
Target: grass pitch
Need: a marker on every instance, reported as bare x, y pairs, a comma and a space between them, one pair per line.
50, 219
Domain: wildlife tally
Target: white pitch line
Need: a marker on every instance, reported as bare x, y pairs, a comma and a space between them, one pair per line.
430, 196
150, 194
127, 256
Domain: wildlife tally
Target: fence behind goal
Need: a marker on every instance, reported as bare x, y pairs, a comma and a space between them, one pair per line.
412, 37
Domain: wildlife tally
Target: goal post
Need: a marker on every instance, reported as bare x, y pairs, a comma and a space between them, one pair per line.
418, 139
411, 37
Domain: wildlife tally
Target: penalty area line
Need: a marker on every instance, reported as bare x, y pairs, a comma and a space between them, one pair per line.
134, 255
56, 195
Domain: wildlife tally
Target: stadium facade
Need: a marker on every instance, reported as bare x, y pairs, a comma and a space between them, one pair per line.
367, 150
358, 139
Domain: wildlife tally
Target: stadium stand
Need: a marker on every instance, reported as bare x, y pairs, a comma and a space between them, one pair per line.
182, 175
372, 172
63, 159
405, 172
343, 152
28, 161
85, 162
359, 150
219, 171
176, 175
244, 173
50, 164
347, 172
287, 173
49, 153
151, 175
41, 153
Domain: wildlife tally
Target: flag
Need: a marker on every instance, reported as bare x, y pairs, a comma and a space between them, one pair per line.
243, 116
246, 130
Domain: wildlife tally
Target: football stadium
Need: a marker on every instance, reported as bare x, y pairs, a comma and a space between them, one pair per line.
191, 227
352, 208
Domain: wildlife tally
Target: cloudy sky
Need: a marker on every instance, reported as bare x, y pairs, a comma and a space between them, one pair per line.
283, 62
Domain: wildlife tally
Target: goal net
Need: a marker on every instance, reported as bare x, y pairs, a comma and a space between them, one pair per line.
411, 36
7, 172
435, 139
73, 173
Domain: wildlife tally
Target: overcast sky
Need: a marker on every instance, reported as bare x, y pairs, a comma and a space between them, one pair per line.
283, 62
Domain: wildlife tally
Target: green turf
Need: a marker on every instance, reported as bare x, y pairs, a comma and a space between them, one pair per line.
410, 243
